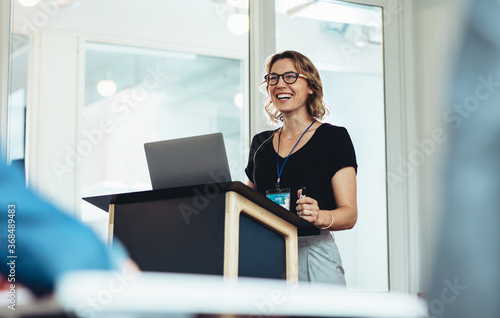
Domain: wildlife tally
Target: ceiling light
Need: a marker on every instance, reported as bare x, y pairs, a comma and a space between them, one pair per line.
66, 4
340, 13
238, 3
106, 88
28, 3
237, 23
238, 100
360, 43
241, 4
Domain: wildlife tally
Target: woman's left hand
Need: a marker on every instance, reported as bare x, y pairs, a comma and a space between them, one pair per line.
308, 209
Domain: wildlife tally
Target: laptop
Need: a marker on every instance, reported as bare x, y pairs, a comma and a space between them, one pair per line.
187, 161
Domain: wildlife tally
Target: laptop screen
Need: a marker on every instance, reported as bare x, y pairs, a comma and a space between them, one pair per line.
187, 161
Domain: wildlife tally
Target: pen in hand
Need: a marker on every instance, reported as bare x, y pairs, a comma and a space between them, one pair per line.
302, 192
302, 195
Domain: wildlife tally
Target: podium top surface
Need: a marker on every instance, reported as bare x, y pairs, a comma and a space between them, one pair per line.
304, 227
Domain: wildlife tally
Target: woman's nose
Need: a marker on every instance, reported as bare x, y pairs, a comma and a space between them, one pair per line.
281, 82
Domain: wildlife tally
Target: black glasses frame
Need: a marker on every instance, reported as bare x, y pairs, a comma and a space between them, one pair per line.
297, 75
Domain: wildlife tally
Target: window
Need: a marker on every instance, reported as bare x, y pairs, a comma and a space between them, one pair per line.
136, 95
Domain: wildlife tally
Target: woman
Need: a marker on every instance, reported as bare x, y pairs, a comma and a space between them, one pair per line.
305, 153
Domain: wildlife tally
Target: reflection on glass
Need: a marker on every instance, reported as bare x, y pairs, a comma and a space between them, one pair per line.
344, 41
159, 95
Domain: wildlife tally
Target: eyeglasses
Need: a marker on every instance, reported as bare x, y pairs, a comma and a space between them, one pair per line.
288, 77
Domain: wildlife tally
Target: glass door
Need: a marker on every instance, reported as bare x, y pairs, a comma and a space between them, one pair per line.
344, 41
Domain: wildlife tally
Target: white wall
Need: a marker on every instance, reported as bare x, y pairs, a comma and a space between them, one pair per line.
57, 102
437, 29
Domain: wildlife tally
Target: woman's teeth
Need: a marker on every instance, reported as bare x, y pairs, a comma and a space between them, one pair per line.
284, 96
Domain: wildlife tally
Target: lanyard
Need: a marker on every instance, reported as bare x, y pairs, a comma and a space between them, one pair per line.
278, 155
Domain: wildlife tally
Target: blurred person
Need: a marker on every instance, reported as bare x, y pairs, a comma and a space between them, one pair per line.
466, 278
38, 243
304, 152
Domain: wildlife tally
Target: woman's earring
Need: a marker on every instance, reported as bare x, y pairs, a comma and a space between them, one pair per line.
310, 92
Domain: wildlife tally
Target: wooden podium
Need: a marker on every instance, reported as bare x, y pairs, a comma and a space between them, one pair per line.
221, 228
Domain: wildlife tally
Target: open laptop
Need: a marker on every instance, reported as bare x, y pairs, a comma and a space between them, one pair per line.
187, 161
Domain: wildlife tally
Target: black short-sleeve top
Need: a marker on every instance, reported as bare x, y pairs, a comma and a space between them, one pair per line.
313, 166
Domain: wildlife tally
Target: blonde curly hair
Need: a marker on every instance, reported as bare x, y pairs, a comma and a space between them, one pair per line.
315, 105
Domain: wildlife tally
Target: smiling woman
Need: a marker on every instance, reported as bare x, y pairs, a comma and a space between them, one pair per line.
312, 155
294, 66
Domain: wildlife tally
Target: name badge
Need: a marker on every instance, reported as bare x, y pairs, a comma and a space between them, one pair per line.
280, 196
